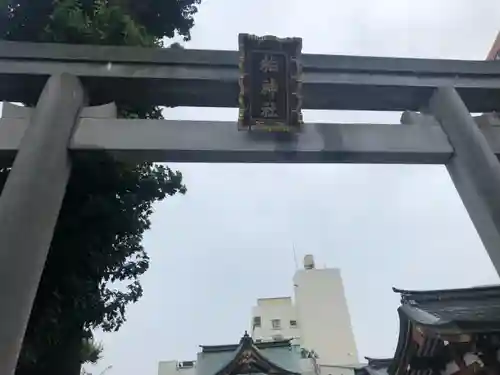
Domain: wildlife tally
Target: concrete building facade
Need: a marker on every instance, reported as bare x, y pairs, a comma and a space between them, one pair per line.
274, 319
317, 319
177, 368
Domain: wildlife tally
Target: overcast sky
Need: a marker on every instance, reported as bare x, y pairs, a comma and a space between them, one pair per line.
229, 240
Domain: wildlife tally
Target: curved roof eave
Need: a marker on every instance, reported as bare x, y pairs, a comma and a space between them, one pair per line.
404, 340
379, 362
477, 290
440, 326
248, 354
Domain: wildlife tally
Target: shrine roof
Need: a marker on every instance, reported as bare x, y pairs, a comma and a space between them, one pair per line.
278, 357
453, 311
375, 366
232, 347
378, 362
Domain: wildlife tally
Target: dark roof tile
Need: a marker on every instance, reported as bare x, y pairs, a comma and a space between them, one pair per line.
471, 309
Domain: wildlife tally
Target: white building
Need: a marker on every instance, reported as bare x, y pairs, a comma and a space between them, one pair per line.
318, 318
177, 368
274, 319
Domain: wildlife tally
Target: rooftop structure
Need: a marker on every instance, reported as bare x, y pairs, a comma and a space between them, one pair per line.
448, 332
375, 366
310, 334
247, 357
454, 331
317, 318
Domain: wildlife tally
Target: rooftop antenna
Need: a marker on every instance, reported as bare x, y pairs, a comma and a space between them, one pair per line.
295, 257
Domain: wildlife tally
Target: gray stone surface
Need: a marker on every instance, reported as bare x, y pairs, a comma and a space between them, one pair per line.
210, 78
15, 111
474, 168
192, 141
11, 110
488, 123
104, 54
33, 194
487, 120
416, 118
197, 141
29, 207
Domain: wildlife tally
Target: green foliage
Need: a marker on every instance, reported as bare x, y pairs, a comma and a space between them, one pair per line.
306, 353
113, 22
96, 257
91, 351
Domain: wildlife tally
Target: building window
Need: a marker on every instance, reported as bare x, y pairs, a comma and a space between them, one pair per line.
293, 323
256, 321
276, 323
186, 364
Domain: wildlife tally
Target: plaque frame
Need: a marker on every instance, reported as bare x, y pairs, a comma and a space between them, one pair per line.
291, 48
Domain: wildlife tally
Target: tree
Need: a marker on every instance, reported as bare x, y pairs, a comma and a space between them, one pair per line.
97, 240
91, 352
101, 373
306, 353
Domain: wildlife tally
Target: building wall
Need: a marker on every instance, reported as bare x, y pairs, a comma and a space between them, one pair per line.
175, 368
336, 370
317, 319
279, 310
324, 317
309, 367
323, 323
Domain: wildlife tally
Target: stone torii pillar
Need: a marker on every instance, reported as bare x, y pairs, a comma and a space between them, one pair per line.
474, 168
29, 207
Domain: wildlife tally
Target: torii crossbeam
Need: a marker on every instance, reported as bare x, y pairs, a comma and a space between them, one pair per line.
42, 140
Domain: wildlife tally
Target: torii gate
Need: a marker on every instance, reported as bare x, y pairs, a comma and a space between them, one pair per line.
447, 91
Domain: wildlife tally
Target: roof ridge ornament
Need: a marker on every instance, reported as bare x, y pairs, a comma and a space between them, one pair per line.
248, 359
246, 338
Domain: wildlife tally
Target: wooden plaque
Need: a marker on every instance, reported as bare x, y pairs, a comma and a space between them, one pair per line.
270, 83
